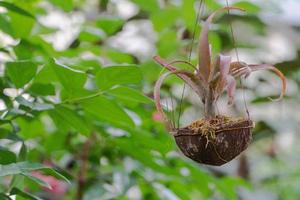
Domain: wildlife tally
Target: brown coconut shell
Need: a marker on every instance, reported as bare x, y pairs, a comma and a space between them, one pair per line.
216, 141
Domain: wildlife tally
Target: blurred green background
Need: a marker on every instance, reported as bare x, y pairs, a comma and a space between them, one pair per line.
76, 103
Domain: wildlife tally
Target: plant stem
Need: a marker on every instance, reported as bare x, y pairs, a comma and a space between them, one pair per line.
209, 107
83, 159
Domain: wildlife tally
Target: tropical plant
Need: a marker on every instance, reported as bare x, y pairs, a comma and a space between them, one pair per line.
218, 139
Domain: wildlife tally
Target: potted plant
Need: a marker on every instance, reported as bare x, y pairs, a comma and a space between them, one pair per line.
214, 139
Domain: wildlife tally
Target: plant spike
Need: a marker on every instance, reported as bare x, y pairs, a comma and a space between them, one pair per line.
204, 54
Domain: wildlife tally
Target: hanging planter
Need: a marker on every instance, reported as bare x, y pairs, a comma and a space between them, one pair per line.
215, 139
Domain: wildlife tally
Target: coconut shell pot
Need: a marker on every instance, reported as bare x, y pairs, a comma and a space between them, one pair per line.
217, 147
215, 139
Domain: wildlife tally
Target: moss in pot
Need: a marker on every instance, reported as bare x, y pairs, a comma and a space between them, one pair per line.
214, 139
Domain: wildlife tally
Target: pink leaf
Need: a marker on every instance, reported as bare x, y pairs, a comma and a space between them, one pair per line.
277, 72
204, 50
194, 82
224, 65
231, 87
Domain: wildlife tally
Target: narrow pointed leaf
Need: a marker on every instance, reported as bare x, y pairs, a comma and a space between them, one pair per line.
26, 167
224, 65
204, 48
26, 195
37, 180
16, 9
231, 87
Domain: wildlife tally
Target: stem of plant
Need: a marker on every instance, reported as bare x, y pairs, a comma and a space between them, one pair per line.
83, 158
209, 107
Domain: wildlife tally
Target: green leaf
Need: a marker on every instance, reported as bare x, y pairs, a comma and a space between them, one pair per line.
21, 25
20, 167
72, 80
16, 9
118, 75
66, 5
4, 132
42, 89
4, 197
70, 117
21, 72
56, 174
119, 57
149, 5
23, 152
167, 43
90, 34
17, 181
26, 167
129, 94
169, 15
37, 180
110, 25
5, 25
34, 105
17, 191
108, 111
30, 128
228, 185
7, 157
188, 13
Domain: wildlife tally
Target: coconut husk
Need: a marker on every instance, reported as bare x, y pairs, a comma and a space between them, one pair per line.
215, 141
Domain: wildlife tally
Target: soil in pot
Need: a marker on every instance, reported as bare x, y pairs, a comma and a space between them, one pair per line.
215, 141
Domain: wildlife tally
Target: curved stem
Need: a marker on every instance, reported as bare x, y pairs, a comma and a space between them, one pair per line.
157, 87
185, 62
209, 108
193, 81
277, 72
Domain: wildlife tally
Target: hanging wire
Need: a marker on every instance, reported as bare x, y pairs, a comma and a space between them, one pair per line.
195, 27
237, 57
172, 111
232, 35
201, 5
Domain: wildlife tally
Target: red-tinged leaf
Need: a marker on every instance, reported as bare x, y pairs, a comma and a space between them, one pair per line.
224, 65
231, 87
189, 78
204, 49
277, 72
